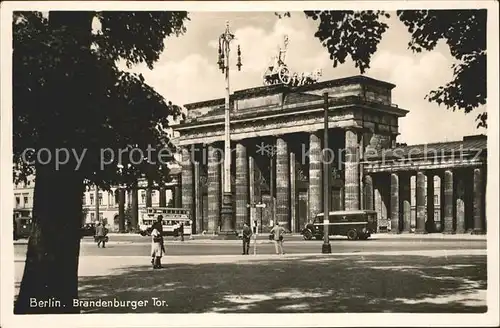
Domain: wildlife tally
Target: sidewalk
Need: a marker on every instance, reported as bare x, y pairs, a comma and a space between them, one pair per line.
434, 281
127, 238
264, 236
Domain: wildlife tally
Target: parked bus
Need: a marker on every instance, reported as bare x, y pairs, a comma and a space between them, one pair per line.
353, 224
172, 219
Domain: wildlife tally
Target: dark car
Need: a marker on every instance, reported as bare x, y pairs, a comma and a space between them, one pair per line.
353, 224
88, 230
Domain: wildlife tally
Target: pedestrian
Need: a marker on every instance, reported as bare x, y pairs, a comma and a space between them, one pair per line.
246, 235
100, 234
157, 244
176, 229
277, 233
181, 230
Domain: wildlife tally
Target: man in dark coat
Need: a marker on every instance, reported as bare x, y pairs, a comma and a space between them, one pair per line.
246, 235
101, 232
181, 230
156, 255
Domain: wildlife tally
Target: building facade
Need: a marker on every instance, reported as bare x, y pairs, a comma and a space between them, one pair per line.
108, 209
276, 135
277, 142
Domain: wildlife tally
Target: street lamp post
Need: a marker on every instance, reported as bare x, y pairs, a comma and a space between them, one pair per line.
326, 248
227, 226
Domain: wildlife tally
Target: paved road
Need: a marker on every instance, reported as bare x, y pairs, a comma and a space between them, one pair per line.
141, 246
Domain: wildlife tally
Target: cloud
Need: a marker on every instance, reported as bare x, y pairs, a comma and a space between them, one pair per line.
415, 76
190, 73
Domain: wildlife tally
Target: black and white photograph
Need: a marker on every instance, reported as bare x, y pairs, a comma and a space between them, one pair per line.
249, 163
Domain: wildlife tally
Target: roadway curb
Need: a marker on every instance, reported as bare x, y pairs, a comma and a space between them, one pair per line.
259, 242
237, 258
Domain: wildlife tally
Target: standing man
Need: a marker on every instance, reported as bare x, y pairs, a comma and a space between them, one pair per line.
181, 230
277, 232
100, 235
246, 235
157, 243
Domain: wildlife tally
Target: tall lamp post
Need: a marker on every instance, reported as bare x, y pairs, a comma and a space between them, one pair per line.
227, 226
326, 248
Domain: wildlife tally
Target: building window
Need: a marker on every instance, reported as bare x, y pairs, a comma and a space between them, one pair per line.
117, 196
143, 197
437, 215
18, 201
100, 198
92, 216
101, 216
91, 199
436, 200
26, 201
84, 200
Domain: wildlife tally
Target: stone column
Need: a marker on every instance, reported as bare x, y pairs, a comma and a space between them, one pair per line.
163, 197
377, 206
214, 188
251, 189
430, 201
97, 210
315, 185
351, 170
368, 192
420, 190
198, 199
177, 196
405, 201
282, 184
459, 201
257, 192
241, 187
293, 194
478, 201
135, 207
395, 228
149, 195
448, 201
187, 182
121, 209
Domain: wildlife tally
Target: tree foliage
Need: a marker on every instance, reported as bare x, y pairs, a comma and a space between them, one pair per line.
350, 33
70, 94
464, 31
357, 35
69, 91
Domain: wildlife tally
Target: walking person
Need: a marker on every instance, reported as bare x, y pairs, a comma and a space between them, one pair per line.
277, 232
100, 234
157, 243
246, 235
181, 230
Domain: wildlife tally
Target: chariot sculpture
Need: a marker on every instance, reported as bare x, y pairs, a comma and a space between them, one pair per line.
278, 72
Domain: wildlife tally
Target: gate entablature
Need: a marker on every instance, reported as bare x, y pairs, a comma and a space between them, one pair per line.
356, 101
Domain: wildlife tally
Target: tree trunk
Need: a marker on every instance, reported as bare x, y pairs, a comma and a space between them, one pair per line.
50, 279
51, 268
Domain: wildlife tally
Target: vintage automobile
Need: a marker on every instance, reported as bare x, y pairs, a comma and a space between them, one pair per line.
353, 224
22, 227
88, 230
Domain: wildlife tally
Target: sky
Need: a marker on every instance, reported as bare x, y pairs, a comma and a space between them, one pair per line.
187, 70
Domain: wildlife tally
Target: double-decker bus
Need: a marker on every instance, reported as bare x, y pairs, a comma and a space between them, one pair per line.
172, 219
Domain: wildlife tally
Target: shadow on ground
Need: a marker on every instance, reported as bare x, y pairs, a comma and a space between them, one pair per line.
302, 284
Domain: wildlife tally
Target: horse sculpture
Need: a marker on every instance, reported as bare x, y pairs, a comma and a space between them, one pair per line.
279, 73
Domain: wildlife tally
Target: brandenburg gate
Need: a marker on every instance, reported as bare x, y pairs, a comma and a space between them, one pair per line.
276, 145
